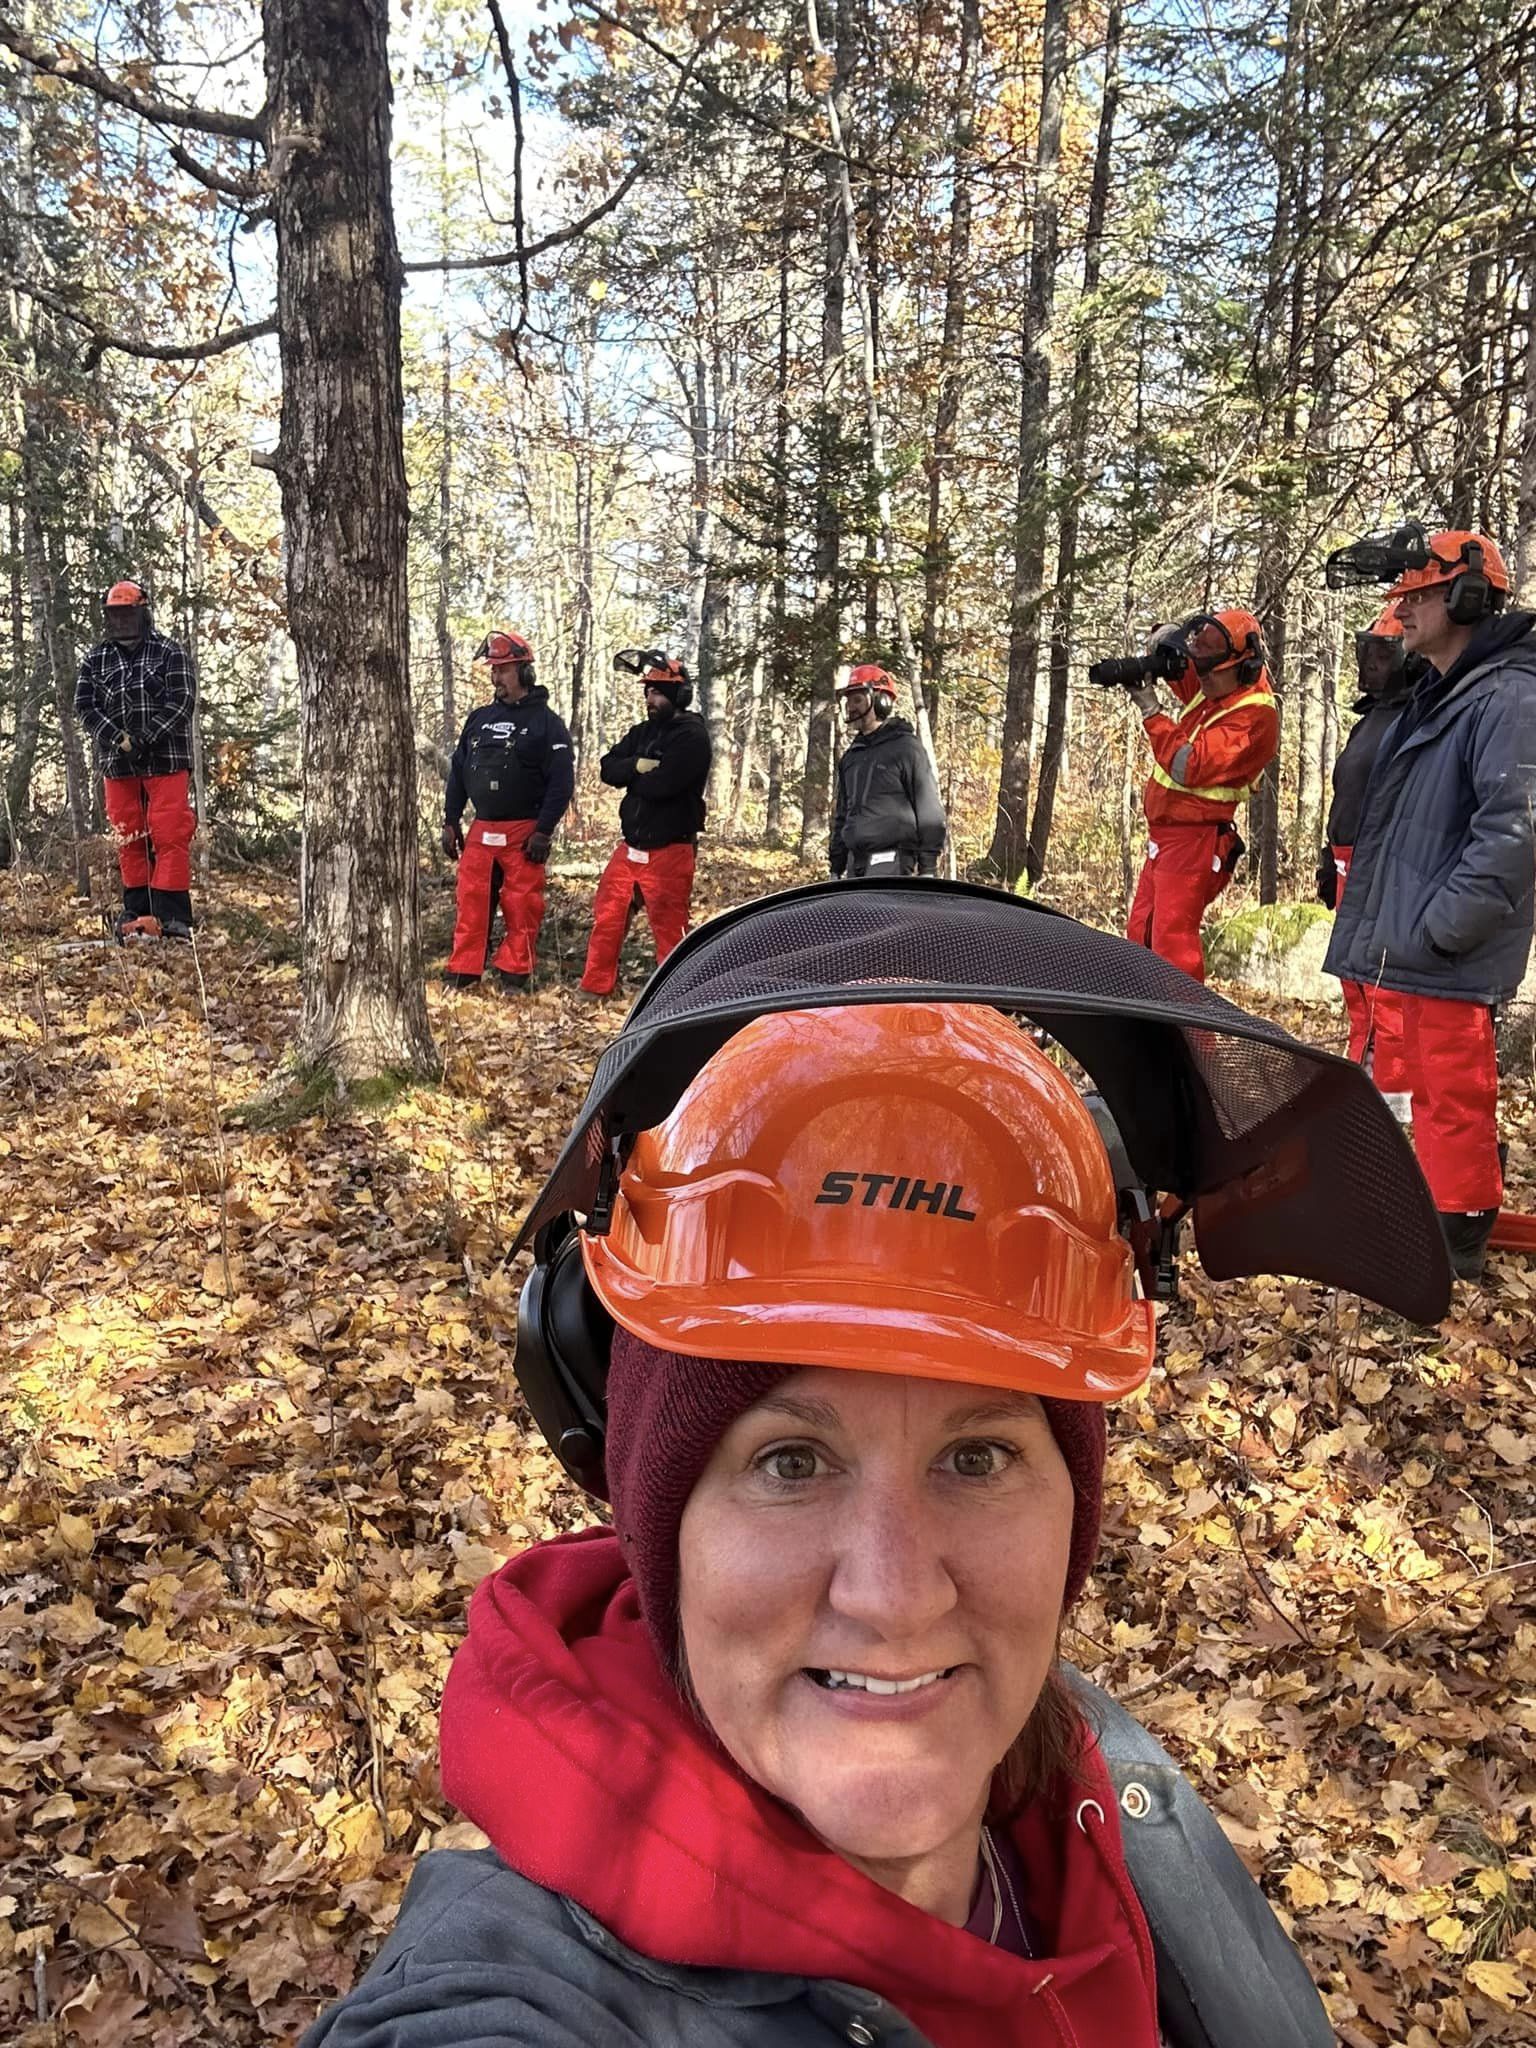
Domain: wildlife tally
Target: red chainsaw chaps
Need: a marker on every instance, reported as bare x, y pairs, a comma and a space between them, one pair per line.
1449, 1052
493, 868
1375, 1014
662, 881
152, 823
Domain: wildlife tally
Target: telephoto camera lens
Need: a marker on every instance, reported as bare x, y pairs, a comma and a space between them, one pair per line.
1124, 672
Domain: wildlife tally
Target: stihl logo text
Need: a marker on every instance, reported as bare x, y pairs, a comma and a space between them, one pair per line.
896, 1191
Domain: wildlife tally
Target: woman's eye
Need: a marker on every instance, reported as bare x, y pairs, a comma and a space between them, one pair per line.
981, 1460
788, 1463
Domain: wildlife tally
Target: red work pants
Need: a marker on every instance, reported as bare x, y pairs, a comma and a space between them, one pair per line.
1375, 1018
661, 880
493, 868
153, 824
1186, 869
1448, 1049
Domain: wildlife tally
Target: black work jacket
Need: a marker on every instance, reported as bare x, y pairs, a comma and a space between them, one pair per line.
664, 805
888, 819
512, 761
1375, 718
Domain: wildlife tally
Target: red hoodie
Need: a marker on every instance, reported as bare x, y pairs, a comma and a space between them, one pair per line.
563, 1739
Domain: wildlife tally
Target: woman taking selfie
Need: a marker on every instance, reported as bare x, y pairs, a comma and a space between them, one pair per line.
787, 1756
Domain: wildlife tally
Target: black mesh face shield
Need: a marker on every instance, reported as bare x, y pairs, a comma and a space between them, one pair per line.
1289, 1157
1378, 557
634, 661
1380, 659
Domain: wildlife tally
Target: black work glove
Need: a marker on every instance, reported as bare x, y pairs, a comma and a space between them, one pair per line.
1328, 879
536, 847
452, 841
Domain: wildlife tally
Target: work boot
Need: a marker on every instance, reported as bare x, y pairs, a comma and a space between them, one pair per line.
173, 907
460, 980
592, 995
512, 984
1467, 1232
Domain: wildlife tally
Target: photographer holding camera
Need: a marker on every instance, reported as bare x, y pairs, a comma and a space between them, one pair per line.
1203, 764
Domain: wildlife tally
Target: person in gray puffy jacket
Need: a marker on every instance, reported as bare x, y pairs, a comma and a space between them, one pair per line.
1442, 885
786, 1757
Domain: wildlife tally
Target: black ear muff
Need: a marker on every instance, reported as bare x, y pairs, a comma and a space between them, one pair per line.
564, 1335
683, 696
1251, 667
1470, 596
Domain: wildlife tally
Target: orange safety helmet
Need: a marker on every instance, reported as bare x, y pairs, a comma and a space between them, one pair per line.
1470, 563
906, 1188
1387, 627
868, 675
126, 594
1233, 638
500, 649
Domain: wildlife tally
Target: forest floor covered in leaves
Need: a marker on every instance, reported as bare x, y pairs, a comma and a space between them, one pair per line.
259, 1439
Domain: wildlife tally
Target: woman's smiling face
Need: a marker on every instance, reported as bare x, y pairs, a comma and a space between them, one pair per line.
859, 1532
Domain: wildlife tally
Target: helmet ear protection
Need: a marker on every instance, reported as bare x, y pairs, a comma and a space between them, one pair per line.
1471, 596
1251, 662
563, 1339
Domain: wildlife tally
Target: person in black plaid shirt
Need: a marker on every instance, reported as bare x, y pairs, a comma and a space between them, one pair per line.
134, 697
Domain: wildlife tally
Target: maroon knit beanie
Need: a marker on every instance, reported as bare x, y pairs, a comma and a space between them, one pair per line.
667, 1412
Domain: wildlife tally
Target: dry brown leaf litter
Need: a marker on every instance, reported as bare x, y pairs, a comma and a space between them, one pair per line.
258, 1441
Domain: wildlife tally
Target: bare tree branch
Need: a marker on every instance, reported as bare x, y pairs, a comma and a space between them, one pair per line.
227, 184
515, 96
102, 339
69, 65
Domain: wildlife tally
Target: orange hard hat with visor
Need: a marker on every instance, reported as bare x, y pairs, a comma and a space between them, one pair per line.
501, 649
1451, 554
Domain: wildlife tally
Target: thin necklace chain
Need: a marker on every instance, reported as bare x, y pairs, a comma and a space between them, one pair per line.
1001, 1883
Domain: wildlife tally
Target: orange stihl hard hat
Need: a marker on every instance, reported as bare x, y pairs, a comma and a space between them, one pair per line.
1387, 627
1452, 555
125, 594
908, 1188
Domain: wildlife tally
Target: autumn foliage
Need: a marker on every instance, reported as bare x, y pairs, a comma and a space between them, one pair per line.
259, 1439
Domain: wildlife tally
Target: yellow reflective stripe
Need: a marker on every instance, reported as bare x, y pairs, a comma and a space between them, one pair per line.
1213, 793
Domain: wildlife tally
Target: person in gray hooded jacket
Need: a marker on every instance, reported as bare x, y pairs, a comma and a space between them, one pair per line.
1442, 887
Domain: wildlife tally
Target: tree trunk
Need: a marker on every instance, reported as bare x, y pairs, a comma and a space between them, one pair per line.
1076, 478
586, 721
946, 418
778, 601
1010, 836
1525, 515
342, 468
449, 725
1284, 299
826, 650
